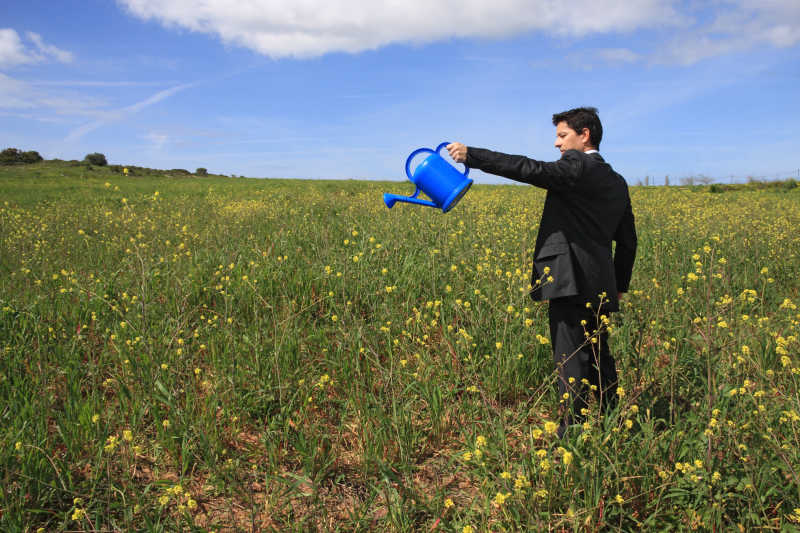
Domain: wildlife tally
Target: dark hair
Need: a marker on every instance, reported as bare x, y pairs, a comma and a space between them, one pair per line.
582, 117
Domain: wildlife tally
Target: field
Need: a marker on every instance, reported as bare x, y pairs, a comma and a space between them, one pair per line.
218, 354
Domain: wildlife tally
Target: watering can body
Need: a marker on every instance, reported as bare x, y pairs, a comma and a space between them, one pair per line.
437, 178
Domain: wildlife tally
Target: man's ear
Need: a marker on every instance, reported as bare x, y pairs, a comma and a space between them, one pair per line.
586, 136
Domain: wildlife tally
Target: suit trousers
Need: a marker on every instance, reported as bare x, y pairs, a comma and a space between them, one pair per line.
582, 360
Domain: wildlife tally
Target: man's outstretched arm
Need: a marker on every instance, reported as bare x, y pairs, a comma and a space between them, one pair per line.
557, 175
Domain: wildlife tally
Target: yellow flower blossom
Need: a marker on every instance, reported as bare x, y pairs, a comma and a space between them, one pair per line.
500, 498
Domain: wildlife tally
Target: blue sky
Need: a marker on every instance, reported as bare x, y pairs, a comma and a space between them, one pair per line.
347, 89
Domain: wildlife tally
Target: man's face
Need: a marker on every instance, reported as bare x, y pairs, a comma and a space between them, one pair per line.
569, 139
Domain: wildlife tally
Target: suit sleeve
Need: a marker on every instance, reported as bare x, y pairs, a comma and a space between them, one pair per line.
625, 252
557, 175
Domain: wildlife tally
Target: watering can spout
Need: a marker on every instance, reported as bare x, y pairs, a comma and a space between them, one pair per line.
390, 199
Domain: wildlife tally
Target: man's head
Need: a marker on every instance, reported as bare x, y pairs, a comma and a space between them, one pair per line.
578, 129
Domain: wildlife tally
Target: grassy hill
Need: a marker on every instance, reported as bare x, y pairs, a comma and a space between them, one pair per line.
207, 353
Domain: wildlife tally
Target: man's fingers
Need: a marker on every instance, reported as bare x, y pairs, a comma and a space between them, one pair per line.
457, 151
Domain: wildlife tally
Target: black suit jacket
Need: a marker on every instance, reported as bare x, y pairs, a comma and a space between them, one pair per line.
586, 208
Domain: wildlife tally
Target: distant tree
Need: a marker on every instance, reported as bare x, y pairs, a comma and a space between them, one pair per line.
201, 171
31, 156
96, 159
702, 179
10, 156
13, 156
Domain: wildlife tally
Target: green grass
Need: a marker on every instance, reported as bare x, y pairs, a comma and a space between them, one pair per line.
234, 354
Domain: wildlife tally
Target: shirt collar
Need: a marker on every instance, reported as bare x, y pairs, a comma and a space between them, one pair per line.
591, 152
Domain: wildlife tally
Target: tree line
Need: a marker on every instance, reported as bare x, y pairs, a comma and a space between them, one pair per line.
15, 156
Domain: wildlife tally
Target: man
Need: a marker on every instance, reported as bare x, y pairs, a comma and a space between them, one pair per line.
587, 206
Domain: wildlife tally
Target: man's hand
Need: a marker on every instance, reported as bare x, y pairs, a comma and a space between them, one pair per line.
619, 296
458, 152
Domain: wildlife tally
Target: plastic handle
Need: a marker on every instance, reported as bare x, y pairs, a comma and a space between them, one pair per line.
438, 148
408, 161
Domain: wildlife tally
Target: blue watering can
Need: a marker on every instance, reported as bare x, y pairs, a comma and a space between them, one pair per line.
436, 178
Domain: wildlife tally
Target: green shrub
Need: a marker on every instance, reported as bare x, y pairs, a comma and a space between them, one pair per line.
31, 156
9, 156
13, 156
201, 171
96, 159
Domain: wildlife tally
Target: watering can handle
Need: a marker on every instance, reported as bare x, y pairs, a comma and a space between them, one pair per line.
419, 151
466, 168
408, 163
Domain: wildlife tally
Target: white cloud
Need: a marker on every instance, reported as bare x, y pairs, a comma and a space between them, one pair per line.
17, 95
119, 114
48, 50
735, 26
294, 28
13, 93
14, 52
156, 139
307, 28
30, 100
618, 55
776, 22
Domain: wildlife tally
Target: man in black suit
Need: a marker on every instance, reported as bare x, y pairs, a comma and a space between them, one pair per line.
587, 206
